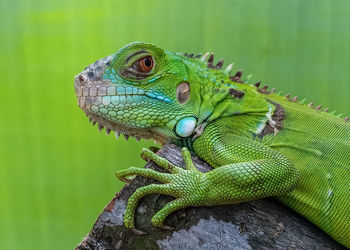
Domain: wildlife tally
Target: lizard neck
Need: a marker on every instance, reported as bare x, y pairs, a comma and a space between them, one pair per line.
224, 98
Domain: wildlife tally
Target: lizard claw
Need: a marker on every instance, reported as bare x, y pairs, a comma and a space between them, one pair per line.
154, 149
137, 231
145, 158
167, 228
127, 180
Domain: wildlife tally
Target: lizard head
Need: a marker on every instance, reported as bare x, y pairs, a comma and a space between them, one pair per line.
141, 91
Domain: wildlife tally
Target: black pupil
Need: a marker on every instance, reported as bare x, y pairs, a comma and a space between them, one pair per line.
148, 62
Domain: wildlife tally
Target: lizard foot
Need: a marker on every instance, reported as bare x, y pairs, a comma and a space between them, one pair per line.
186, 185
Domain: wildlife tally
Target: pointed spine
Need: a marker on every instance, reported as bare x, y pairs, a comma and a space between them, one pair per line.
204, 57
108, 131
237, 77
210, 61
228, 69
117, 134
219, 64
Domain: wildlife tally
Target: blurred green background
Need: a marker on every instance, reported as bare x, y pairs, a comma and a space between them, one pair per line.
56, 170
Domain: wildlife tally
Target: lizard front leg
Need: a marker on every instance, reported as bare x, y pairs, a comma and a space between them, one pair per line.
232, 183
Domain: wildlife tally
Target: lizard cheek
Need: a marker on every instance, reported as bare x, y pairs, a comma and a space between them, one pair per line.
185, 126
183, 92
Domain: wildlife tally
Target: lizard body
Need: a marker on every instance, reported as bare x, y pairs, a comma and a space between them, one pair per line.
260, 143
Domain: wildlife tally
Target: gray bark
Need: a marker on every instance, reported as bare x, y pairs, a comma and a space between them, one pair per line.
261, 224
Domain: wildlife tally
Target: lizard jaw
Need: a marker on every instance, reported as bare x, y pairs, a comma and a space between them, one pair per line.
126, 131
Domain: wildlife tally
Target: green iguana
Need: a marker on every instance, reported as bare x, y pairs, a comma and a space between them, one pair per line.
260, 143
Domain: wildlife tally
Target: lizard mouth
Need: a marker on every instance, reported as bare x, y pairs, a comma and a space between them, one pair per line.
95, 94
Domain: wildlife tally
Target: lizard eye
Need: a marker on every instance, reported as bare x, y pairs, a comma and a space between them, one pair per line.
144, 65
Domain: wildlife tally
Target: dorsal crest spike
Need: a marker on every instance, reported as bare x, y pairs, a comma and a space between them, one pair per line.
210, 64
318, 107
211, 58
273, 90
117, 134
326, 110
204, 57
229, 68
219, 64
237, 76
310, 104
346, 119
295, 98
288, 95
239, 73
263, 90
257, 84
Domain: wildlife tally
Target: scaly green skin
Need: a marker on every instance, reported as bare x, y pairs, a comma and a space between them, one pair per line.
260, 143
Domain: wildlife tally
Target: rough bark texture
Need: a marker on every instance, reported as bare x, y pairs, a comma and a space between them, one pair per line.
261, 224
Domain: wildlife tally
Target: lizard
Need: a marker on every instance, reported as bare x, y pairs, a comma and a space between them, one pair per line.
260, 143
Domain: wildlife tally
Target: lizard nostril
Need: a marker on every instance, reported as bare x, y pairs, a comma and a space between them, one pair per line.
82, 78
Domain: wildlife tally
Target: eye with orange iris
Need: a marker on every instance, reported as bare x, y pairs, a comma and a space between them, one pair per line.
144, 65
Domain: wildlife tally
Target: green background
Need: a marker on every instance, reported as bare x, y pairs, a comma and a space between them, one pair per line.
56, 170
